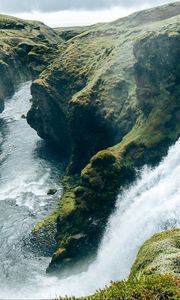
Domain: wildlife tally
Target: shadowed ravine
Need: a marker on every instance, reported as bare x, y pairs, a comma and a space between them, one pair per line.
28, 170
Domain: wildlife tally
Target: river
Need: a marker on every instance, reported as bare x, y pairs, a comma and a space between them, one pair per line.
28, 169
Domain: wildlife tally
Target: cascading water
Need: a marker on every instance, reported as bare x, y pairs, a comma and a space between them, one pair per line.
148, 206
27, 170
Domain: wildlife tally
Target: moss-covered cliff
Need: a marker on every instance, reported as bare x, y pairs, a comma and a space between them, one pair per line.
92, 85
26, 48
111, 102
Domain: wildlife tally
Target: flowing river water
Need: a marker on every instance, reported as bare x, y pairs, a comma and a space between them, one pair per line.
28, 170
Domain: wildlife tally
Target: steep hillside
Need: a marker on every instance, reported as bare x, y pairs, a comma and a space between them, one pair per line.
67, 33
111, 102
26, 48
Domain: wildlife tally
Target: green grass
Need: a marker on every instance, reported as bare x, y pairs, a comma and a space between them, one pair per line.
152, 287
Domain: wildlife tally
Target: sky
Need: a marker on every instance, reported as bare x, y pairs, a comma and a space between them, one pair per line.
75, 12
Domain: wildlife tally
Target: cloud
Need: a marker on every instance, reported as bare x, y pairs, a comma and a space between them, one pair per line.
75, 17
59, 5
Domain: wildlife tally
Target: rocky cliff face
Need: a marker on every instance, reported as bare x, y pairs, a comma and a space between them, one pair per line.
111, 102
26, 48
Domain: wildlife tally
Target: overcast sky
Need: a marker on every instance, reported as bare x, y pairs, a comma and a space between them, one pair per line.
74, 12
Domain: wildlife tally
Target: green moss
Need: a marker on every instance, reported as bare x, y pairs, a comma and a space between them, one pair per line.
103, 159
59, 252
46, 223
48, 226
67, 204
153, 287
159, 254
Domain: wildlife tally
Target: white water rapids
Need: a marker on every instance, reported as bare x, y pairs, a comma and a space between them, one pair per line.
148, 206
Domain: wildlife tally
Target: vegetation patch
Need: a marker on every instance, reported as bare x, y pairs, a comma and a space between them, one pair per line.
151, 287
159, 254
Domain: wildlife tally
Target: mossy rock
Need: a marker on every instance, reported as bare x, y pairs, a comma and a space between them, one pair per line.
52, 192
160, 254
103, 159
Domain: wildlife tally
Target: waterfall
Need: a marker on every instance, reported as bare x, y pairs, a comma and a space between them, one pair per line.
148, 206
